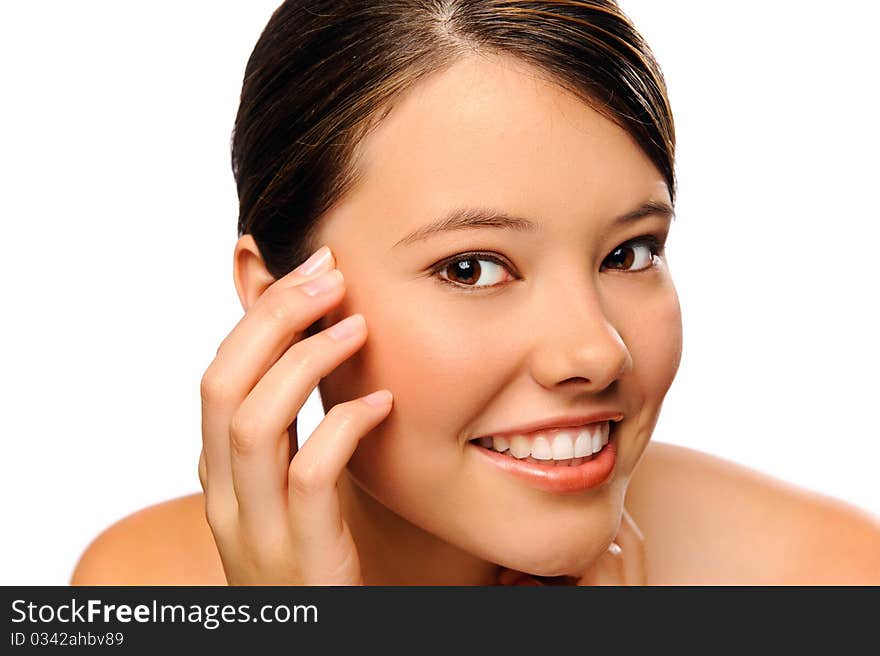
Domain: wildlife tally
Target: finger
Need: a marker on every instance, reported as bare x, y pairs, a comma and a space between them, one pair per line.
259, 439
263, 333
275, 307
293, 440
632, 545
313, 504
203, 475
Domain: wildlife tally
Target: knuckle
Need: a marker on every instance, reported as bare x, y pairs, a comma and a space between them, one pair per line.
243, 433
202, 471
278, 313
218, 517
303, 481
342, 415
304, 362
215, 387
278, 306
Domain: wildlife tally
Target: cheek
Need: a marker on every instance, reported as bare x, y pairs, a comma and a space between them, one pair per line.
433, 362
652, 331
655, 341
434, 367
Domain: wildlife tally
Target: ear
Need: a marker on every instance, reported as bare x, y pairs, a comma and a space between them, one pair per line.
249, 272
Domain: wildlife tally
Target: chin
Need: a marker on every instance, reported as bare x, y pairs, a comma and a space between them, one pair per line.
560, 552
552, 542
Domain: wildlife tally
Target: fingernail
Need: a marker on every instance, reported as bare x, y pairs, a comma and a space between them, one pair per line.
347, 327
324, 283
318, 260
378, 399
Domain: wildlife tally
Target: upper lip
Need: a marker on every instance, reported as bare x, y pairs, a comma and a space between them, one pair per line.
565, 421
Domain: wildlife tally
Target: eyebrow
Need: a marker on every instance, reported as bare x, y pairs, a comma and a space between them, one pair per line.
470, 218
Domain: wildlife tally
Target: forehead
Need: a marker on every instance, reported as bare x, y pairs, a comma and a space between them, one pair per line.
492, 131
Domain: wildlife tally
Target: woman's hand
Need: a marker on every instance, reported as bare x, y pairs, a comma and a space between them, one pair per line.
274, 512
623, 563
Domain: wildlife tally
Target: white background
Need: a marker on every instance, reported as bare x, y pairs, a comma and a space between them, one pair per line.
119, 217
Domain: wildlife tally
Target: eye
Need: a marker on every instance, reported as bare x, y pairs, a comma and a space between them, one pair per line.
638, 253
465, 270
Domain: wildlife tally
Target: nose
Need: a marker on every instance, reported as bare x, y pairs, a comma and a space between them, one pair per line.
576, 344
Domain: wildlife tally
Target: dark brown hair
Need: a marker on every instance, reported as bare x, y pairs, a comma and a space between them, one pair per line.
325, 72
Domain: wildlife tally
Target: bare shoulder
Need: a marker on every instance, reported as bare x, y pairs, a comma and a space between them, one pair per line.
707, 520
169, 543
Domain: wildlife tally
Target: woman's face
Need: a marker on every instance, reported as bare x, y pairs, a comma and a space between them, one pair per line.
562, 323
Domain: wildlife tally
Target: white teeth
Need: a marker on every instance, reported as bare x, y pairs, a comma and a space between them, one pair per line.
520, 447
597, 442
541, 449
583, 445
563, 446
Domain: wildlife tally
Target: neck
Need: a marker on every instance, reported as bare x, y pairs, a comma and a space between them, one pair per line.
393, 551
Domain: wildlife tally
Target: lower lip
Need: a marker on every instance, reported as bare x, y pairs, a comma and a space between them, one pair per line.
550, 478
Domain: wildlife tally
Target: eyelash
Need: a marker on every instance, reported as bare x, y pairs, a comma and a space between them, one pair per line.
654, 243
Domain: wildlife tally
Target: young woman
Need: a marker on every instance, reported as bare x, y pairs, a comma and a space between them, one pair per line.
478, 193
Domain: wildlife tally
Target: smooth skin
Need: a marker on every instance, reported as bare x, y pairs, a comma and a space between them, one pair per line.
720, 550
394, 495
276, 518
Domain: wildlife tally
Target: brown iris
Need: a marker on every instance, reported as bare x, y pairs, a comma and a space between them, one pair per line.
464, 271
628, 256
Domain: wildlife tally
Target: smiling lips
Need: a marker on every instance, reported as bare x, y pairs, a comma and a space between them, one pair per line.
549, 474
558, 446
